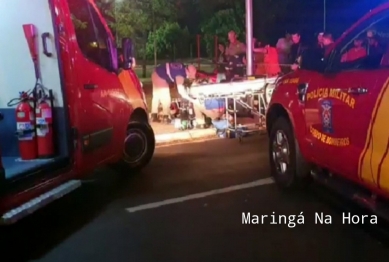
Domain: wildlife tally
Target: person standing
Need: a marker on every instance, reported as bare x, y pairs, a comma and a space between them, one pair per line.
163, 77
270, 60
257, 58
296, 50
320, 40
283, 48
235, 47
235, 55
328, 42
222, 55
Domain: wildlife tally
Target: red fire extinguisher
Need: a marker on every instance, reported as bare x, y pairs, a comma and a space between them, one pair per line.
25, 126
44, 128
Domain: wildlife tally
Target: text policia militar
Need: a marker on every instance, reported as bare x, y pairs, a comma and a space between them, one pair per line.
334, 93
293, 220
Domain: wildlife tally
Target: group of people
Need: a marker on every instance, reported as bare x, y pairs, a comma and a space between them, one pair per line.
366, 45
290, 48
267, 60
265, 57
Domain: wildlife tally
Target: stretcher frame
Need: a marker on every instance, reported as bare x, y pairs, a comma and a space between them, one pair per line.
234, 92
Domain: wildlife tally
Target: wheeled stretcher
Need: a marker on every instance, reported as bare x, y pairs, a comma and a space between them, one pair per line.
227, 103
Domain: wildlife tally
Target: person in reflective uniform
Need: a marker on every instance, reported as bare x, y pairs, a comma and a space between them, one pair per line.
164, 76
235, 47
235, 54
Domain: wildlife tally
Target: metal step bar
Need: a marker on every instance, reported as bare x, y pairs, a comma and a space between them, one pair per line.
34, 204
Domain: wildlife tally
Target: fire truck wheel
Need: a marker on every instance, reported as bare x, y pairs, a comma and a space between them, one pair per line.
139, 146
287, 165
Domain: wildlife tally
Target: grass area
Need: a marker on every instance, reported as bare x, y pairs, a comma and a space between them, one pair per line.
139, 72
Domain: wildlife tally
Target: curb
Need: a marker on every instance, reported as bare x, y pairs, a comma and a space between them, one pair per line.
184, 136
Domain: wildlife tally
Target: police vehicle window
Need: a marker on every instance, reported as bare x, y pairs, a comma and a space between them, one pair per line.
90, 33
368, 47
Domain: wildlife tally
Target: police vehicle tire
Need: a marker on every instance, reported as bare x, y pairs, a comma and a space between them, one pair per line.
296, 175
140, 136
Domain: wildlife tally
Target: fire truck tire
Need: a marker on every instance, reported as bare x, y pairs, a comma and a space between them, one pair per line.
139, 146
283, 147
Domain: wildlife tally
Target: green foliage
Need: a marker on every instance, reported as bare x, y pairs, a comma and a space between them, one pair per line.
168, 39
137, 18
78, 23
219, 25
163, 22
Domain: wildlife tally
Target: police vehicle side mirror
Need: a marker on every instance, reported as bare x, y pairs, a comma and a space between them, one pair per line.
128, 53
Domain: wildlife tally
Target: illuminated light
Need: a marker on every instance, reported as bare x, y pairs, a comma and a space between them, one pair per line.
94, 44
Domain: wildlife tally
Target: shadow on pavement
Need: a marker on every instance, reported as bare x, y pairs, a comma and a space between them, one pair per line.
36, 235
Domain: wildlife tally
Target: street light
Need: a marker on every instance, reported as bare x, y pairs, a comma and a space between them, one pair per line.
249, 37
324, 15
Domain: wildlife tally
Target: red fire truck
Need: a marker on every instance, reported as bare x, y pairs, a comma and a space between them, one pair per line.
67, 103
329, 119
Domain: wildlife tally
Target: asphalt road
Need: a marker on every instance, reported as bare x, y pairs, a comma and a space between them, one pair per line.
94, 223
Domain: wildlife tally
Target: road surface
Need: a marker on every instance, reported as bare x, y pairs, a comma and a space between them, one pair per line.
114, 219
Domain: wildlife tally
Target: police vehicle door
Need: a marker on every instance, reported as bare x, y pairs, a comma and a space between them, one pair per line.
316, 93
345, 111
337, 116
356, 109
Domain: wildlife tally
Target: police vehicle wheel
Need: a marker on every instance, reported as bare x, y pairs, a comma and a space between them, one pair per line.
287, 165
139, 146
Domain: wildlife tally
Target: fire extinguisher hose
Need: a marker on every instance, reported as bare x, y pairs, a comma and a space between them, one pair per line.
23, 96
37, 92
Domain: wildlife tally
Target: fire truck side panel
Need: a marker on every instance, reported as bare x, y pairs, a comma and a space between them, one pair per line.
349, 132
104, 96
94, 111
17, 74
344, 128
93, 106
365, 160
348, 119
373, 165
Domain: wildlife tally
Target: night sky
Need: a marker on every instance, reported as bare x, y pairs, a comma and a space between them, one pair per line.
307, 16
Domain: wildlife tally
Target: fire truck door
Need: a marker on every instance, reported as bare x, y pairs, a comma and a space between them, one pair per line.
365, 124
341, 111
314, 87
97, 100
